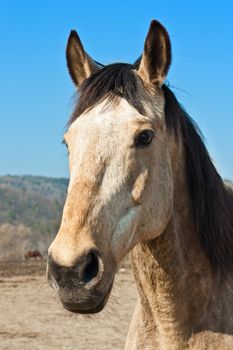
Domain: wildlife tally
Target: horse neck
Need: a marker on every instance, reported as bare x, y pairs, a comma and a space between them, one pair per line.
172, 272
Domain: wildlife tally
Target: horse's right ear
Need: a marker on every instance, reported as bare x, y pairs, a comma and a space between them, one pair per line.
79, 63
156, 57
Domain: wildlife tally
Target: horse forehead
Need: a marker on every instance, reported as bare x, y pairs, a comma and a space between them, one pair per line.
107, 117
116, 114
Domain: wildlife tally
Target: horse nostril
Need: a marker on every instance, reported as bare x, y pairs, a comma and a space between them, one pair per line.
89, 268
86, 269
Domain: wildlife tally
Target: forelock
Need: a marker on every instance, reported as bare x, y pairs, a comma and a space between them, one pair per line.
111, 83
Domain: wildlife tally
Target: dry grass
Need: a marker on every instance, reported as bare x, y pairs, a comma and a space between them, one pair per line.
32, 318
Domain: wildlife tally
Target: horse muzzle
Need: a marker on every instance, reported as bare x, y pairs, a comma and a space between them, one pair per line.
83, 288
91, 305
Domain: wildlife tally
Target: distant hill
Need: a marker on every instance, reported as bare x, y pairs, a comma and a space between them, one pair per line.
30, 213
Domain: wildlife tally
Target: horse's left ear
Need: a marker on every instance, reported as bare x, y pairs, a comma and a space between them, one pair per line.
156, 57
79, 63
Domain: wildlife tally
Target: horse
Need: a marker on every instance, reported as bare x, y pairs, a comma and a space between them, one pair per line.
32, 254
142, 182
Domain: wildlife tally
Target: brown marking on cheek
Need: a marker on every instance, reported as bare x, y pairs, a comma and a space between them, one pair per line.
139, 186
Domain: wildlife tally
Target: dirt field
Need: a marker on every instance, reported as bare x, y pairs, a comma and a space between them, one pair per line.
32, 318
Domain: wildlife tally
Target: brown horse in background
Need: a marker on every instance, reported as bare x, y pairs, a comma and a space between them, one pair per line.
33, 254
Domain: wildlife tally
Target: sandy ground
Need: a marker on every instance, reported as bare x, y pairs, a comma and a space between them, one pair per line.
32, 318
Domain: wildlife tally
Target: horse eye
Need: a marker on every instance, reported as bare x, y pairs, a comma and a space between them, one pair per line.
144, 138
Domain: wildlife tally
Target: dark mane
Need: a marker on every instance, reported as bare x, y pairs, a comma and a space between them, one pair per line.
212, 203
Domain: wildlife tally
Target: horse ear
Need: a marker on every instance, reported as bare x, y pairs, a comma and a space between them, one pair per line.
156, 57
79, 63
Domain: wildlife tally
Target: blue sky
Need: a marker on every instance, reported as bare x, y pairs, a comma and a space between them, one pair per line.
36, 90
